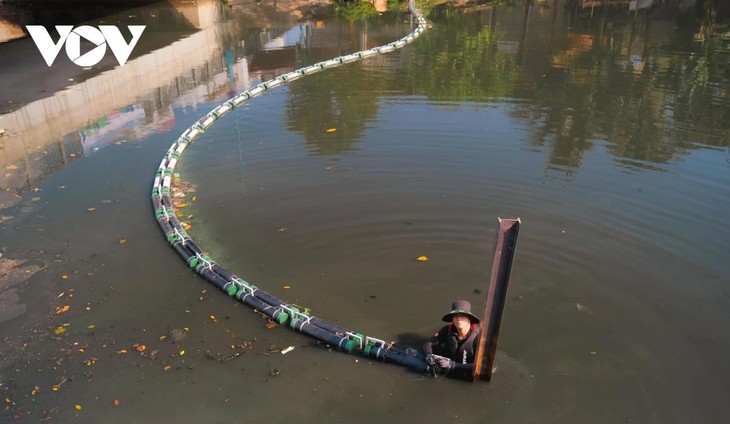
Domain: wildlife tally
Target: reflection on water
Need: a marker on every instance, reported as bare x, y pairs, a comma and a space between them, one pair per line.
605, 129
127, 103
652, 92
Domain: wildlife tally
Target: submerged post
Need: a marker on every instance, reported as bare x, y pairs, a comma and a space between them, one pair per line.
504, 253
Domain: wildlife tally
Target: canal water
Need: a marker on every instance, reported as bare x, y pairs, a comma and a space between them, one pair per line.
605, 131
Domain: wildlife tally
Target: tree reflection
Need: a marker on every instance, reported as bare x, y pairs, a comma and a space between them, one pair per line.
650, 91
317, 104
461, 60
608, 79
347, 98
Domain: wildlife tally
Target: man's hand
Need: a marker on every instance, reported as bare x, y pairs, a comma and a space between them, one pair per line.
445, 363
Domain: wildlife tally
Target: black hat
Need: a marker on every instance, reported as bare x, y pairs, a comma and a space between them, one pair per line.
461, 307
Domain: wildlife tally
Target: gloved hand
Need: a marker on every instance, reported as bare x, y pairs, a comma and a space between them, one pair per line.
445, 363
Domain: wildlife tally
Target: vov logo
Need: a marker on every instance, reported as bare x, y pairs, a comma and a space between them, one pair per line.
71, 37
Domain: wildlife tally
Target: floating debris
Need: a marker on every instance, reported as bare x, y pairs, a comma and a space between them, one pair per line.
177, 335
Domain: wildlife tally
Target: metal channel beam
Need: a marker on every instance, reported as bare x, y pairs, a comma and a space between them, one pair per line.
504, 253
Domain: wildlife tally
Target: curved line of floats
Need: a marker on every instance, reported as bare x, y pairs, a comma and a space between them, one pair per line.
256, 298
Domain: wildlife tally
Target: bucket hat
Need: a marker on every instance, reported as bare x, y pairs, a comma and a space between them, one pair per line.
461, 307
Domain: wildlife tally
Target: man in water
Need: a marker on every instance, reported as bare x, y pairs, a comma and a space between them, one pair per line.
455, 345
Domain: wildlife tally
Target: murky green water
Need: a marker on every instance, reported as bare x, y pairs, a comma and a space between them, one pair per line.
607, 134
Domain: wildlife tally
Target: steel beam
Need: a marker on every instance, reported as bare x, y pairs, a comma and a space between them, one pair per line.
504, 253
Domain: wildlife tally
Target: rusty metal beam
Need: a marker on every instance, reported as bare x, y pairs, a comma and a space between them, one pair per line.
504, 253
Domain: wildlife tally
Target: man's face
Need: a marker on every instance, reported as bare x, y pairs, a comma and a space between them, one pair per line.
461, 321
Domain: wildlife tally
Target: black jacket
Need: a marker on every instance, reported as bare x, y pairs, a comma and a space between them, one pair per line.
446, 343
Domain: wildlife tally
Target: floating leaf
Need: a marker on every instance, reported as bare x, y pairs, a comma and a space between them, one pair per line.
422, 258
62, 309
140, 347
64, 277
55, 388
34, 391
116, 402
194, 198
167, 368
331, 130
282, 229
78, 407
121, 241
90, 209
182, 352
186, 226
91, 326
286, 287
271, 324
59, 330
122, 351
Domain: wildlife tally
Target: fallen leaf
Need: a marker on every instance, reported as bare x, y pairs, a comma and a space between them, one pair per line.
121, 241
194, 198
55, 388
78, 407
91, 326
331, 130
186, 226
122, 351
271, 324
163, 337
182, 352
167, 368
422, 258
282, 229
140, 348
64, 277
286, 287
62, 309
59, 330
34, 391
